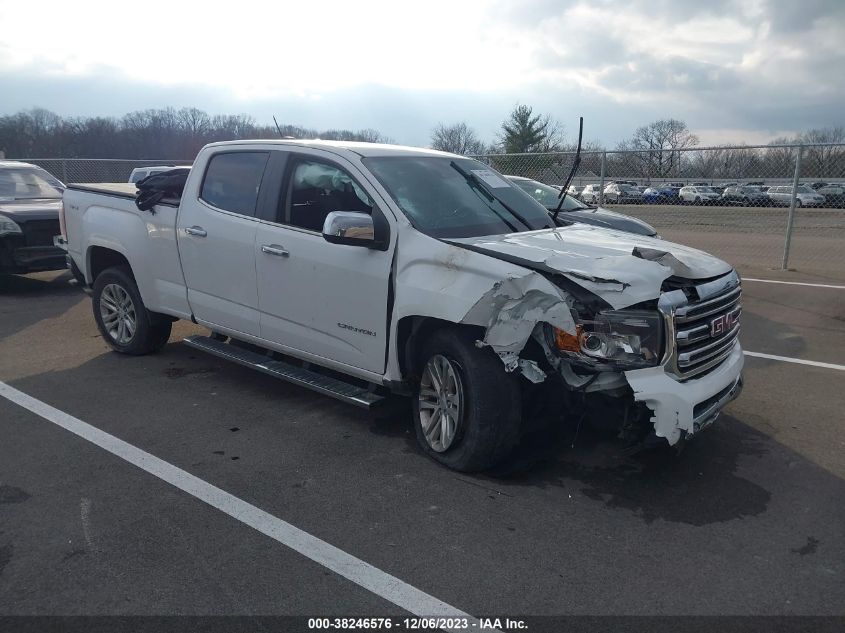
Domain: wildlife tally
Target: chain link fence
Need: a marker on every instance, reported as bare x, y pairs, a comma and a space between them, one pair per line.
755, 206
82, 170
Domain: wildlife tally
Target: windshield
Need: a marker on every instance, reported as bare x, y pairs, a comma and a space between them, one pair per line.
705, 190
751, 190
548, 195
28, 183
441, 202
803, 189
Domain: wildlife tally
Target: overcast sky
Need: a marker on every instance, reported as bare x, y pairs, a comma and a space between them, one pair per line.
734, 70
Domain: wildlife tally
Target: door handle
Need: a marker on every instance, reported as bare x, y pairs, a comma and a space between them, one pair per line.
274, 249
196, 231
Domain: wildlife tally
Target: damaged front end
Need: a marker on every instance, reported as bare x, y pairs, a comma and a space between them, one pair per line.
666, 359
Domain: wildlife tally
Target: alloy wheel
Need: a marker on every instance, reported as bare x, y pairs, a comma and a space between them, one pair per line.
440, 402
118, 314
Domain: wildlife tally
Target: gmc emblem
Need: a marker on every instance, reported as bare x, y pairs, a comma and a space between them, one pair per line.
722, 324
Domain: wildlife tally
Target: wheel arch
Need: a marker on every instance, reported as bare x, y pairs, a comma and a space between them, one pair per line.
99, 258
413, 330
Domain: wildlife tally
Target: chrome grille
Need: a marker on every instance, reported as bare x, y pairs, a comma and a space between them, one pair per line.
706, 327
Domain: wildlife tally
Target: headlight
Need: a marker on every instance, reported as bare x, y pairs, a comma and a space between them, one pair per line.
8, 226
617, 339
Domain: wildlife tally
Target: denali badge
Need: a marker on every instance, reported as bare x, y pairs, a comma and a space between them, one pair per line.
722, 324
344, 326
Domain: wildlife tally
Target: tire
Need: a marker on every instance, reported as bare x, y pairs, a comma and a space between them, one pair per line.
797, 203
487, 414
697, 200
115, 287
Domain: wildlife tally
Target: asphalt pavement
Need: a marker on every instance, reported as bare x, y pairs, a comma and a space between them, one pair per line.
748, 520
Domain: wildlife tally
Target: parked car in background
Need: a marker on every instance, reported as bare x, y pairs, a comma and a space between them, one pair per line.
834, 193
671, 191
702, 194
573, 210
804, 196
622, 193
591, 194
139, 173
652, 195
30, 201
575, 191
748, 196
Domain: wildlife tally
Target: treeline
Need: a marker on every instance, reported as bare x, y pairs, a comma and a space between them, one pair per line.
665, 148
166, 133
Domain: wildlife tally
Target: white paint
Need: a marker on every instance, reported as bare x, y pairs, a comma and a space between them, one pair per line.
799, 361
85, 519
354, 569
792, 283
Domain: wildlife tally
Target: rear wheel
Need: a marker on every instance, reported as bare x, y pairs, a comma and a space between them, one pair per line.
698, 200
466, 408
123, 320
798, 203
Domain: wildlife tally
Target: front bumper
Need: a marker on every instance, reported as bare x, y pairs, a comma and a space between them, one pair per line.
18, 257
683, 408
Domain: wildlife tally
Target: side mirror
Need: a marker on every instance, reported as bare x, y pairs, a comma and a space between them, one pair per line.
351, 228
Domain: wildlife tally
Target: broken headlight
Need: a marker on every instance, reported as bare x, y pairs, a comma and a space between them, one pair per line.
620, 339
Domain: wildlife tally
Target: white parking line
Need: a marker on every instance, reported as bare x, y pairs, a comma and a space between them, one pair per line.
792, 283
361, 573
799, 361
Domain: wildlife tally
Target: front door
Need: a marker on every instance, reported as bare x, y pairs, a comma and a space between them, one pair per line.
325, 299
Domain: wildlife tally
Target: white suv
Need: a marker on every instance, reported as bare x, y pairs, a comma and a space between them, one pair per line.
591, 194
698, 195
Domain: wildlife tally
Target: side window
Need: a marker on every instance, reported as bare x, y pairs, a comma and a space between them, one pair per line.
315, 189
232, 180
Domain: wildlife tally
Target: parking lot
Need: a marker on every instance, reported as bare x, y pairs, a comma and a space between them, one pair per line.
753, 238
747, 520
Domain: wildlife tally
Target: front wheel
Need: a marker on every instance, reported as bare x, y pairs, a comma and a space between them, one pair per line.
466, 408
797, 203
123, 320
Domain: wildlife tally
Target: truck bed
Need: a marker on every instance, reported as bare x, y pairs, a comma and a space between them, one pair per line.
118, 190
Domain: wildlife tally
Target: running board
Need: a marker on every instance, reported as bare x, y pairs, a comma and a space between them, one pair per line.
353, 394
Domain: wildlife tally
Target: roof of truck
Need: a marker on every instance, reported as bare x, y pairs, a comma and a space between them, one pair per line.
360, 148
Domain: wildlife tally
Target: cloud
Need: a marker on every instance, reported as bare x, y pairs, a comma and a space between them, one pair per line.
758, 66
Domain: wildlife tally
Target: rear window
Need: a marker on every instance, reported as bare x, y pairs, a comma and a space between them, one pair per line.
232, 181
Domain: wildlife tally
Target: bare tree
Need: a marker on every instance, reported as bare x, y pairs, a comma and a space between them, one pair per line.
824, 161
657, 146
458, 138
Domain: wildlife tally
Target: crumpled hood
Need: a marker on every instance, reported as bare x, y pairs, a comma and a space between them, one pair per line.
25, 210
621, 268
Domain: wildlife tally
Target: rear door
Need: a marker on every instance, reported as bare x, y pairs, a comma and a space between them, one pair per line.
216, 232
325, 299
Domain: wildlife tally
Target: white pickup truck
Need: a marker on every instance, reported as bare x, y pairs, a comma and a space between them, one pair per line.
359, 269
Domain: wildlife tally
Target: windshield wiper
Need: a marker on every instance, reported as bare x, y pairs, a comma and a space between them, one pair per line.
478, 184
562, 195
